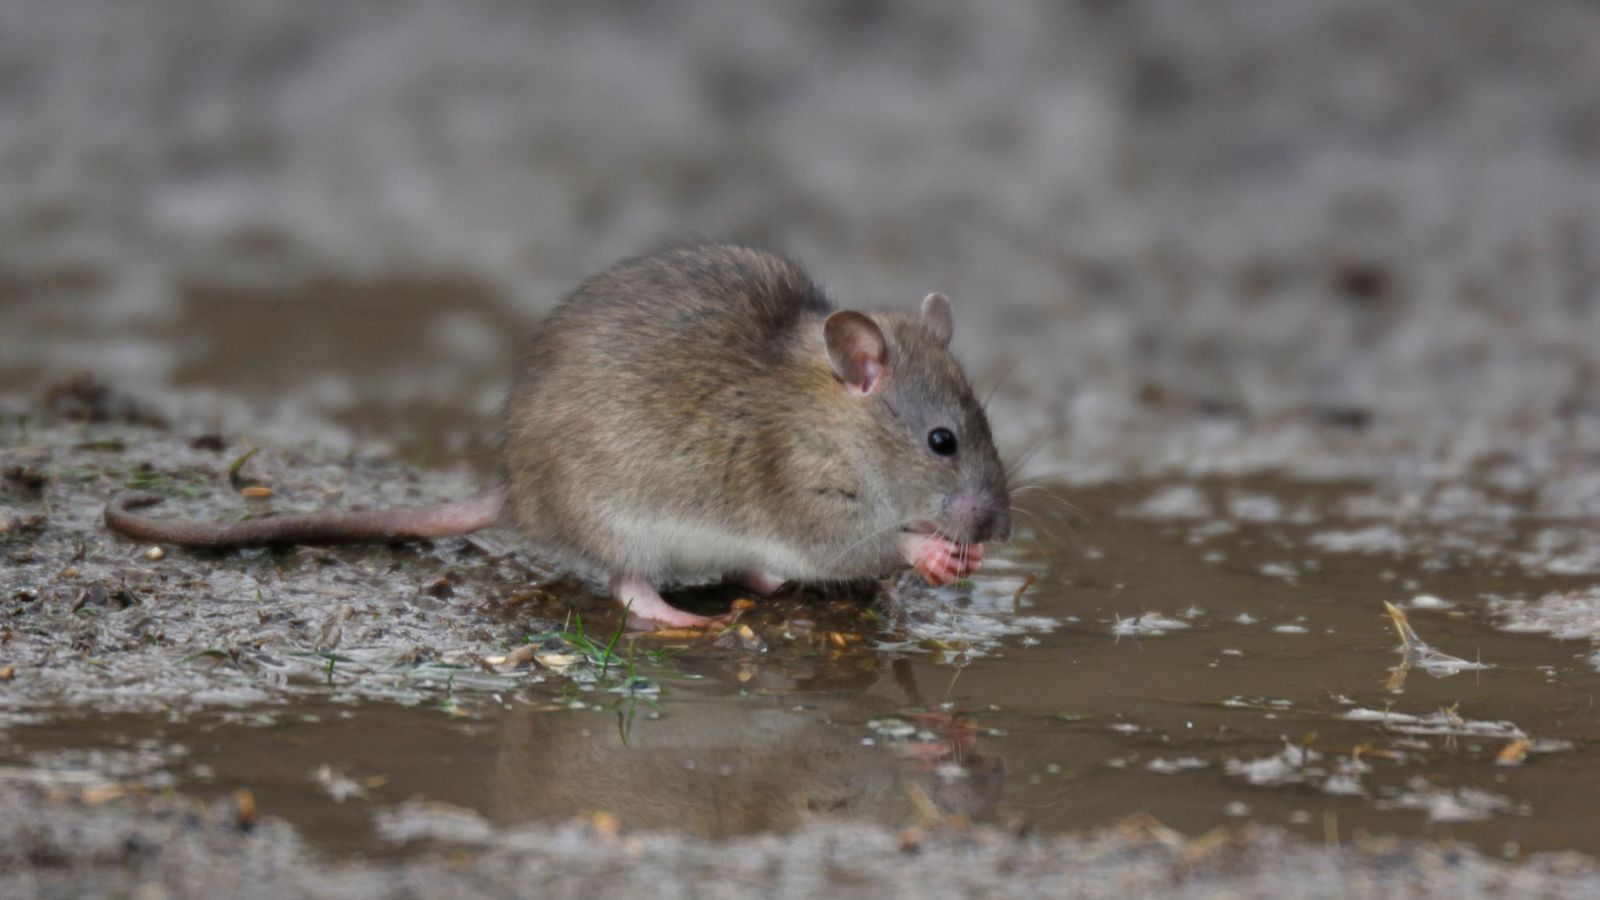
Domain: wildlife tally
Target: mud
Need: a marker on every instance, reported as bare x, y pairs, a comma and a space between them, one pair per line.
166, 846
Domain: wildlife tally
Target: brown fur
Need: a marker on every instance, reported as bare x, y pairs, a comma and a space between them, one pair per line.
693, 386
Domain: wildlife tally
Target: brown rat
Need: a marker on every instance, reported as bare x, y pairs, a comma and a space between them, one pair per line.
704, 410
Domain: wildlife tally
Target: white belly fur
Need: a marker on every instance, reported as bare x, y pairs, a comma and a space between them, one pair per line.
657, 546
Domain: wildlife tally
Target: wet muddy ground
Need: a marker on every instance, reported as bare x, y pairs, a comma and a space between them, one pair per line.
1212, 653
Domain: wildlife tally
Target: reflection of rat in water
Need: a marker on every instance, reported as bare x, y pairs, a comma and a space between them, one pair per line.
704, 410
719, 770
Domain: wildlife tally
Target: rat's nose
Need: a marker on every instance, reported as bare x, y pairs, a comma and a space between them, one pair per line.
992, 526
981, 518
1000, 529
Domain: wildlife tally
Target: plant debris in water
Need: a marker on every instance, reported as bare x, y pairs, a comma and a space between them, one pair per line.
1418, 653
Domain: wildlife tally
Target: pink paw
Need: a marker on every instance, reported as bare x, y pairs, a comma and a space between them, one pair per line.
938, 560
646, 609
670, 617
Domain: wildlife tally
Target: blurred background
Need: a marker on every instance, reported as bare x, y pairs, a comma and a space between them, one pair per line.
1346, 237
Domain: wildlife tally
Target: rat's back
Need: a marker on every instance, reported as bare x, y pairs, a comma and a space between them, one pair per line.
740, 296
648, 394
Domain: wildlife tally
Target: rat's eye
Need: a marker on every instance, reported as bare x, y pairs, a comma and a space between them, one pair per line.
942, 441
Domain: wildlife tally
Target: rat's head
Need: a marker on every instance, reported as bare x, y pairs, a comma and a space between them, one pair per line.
929, 451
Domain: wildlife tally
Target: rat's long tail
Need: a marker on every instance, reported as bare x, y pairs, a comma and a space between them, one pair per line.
379, 526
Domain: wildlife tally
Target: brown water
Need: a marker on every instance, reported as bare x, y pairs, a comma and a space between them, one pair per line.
1199, 666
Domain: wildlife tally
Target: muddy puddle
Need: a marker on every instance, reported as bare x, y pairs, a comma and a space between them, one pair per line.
1207, 652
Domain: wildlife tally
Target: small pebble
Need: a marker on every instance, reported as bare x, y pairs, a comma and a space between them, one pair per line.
244, 809
606, 825
749, 640
155, 553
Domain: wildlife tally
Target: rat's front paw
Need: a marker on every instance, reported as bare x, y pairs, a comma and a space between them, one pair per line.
938, 560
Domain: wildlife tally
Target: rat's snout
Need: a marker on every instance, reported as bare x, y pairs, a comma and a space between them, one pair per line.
992, 525
979, 517
999, 527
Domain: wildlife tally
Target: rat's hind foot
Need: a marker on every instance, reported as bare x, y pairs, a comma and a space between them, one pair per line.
756, 580
938, 560
646, 608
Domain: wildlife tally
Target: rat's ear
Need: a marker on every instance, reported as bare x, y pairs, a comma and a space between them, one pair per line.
936, 317
856, 348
